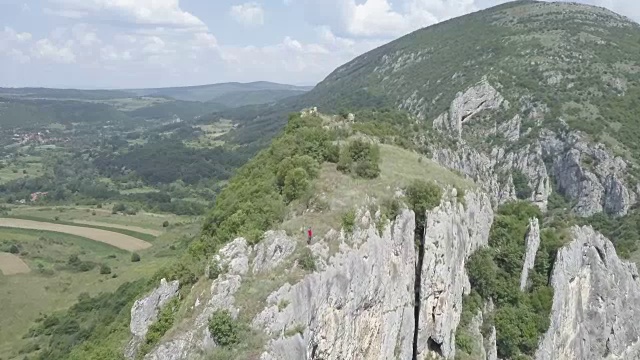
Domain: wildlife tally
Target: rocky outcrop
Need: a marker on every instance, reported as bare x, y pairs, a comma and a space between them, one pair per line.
272, 250
235, 261
532, 242
145, 312
453, 231
476, 335
585, 172
234, 257
474, 100
359, 307
588, 174
595, 305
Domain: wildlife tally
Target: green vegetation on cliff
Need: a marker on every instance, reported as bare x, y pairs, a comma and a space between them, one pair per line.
520, 317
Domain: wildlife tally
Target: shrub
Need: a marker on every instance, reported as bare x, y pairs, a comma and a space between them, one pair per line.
306, 260
14, 249
165, 224
166, 317
93, 213
521, 185
135, 257
360, 158
296, 183
423, 196
215, 270
105, 269
349, 221
118, 208
224, 329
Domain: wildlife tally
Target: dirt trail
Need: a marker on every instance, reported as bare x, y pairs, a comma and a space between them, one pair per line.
118, 240
118, 226
11, 264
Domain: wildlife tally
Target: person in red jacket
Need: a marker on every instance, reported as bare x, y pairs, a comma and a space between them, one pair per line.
309, 235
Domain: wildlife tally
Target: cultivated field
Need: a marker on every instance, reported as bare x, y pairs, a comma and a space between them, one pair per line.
118, 240
118, 226
11, 264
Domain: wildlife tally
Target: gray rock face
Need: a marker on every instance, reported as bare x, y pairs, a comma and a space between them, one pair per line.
145, 312
595, 304
589, 174
359, 307
585, 172
491, 348
532, 242
452, 233
220, 296
272, 250
480, 97
475, 325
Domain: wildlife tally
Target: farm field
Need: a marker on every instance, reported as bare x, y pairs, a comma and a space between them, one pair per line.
11, 264
144, 220
56, 279
121, 241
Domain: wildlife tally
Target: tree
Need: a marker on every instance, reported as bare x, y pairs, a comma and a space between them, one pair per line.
135, 257
295, 184
165, 224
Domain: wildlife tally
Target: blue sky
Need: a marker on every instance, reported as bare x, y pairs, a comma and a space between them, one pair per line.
154, 43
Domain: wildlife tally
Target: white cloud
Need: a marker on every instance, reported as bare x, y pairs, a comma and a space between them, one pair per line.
142, 12
382, 18
85, 35
45, 49
248, 14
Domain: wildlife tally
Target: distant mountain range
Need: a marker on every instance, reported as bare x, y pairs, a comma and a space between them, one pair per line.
228, 94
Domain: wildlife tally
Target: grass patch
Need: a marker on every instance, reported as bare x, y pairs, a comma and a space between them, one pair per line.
49, 287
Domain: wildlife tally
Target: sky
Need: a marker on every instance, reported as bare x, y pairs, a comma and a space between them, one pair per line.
156, 43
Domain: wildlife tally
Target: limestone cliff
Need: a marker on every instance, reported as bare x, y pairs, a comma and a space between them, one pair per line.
585, 172
453, 231
359, 306
595, 305
360, 303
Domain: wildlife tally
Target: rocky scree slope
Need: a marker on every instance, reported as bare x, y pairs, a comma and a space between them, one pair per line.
527, 98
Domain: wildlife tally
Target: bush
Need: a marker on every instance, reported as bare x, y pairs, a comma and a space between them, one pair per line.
165, 320
135, 257
306, 260
14, 249
349, 221
215, 270
224, 329
423, 196
118, 208
521, 185
165, 224
105, 269
296, 183
360, 158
